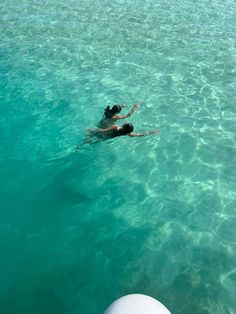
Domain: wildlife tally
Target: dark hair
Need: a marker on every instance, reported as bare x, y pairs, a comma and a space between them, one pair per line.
127, 128
108, 113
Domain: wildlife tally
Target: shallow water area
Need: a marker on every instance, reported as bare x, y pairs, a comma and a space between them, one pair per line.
153, 215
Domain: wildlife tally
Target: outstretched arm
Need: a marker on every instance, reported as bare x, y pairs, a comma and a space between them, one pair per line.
144, 134
129, 113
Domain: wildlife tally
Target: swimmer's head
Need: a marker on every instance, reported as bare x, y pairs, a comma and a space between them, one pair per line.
127, 128
114, 110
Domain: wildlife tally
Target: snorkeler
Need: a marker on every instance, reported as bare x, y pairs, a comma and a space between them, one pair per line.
110, 115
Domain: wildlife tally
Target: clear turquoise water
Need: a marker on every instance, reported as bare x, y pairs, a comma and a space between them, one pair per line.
151, 215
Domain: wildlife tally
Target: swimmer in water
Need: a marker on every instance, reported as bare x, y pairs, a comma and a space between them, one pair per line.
110, 115
96, 135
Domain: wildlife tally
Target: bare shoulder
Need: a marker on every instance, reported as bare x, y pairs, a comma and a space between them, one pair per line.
114, 127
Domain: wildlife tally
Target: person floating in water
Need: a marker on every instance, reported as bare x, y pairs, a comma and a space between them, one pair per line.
96, 135
108, 130
110, 115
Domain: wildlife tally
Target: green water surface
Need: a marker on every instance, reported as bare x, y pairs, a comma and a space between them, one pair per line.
152, 215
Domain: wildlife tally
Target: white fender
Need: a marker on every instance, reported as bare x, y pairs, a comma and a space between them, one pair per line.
137, 304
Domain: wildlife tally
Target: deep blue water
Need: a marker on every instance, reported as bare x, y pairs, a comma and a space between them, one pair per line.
153, 215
